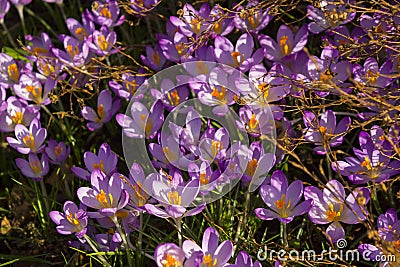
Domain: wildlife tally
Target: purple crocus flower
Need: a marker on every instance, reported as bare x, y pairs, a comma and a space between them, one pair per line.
174, 48
78, 30
107, 195
373, 75
329, 16
134, 185
102, 42
222, 22
106, 161
192, 22
241, 56
244, 260
326, 71
143, 6
254, 22
129, 86
28, 141
331, 206
325, 133
169, 254
106, 13
142, 123
11, 70
41, 46
372, 163
76, 52
17, 112
210, 253
175, 199
57, 152
170, 94
36, 168
154, 58
106, 108
108, 242
4, 8
72, 221
389, 225
286, 43
30, 88
282, 199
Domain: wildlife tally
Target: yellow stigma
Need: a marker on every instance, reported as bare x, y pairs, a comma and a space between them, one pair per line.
131, 86
36, 92
366, 163
140, 194
179, 49
103, 44
156, 58
13, 72
72, 50
235, 56
284, 207
104, 12
251, 167
253, 122
35, 166
220, 95
105, 201
196, 25
173, 97
80, 33
215, 147
264, 89
322, 129
58, 150
253, 21
147, 128
371, 76
174, 198
208, 261
204, 179
283, 44
73, 219
170, 261
17, 117
100, 113
99, 166
332, 215
280, 203
29, 141
47, 69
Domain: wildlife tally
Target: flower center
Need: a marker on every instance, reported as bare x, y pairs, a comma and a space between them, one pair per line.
215, 147
147, 128
72, 218
169, 154
281, 205
100, 112
35, 166
103, 44
204, 179
72, 50
253, 21
235, 56
371, 76
283, 44
35, 91
196, 25
253, 122
179, 48
208, 261
58, 150
104, 200
17, 117
131, 86
174, 198
170, 261
326, 76
80, 33
220, 95
156, 58
29, 141
334, 216
251, 168
173, 97
99, 166
105, 12
13, 72
264, 89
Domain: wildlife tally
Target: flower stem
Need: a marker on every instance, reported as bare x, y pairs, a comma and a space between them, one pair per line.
101, 258
45, 197
284, 235
243, 218
20, 9
178, 222
124, 240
